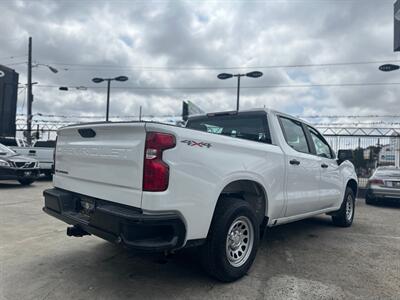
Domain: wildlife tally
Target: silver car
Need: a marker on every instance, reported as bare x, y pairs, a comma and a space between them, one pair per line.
383, 184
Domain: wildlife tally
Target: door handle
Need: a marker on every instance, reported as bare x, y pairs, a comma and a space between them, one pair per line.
294, 162
324, 166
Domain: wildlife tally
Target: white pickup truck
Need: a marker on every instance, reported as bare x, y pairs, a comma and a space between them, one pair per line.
215, 184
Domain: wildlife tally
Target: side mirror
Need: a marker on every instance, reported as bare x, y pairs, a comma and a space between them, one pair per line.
345, 155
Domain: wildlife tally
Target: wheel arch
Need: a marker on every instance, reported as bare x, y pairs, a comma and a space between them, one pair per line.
249, 190
352, 183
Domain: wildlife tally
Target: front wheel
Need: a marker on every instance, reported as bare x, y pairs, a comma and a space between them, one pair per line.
345, 215
232, 242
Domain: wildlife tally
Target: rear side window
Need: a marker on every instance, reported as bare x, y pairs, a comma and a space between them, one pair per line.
248, 127
294, 135
8, 142
48, 144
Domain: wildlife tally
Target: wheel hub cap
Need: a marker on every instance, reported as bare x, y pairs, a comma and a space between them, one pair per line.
349, 208
239, 242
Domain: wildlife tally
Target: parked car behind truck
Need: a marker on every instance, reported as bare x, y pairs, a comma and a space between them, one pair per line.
215, 184
42, 151
383, 185
14, 166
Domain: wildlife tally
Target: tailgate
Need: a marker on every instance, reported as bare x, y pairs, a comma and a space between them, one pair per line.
104, 161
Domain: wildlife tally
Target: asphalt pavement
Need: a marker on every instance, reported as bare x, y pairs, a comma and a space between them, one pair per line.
310, 259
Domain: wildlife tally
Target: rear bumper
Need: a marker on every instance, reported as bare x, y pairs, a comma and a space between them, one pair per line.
117, 223
15, 174
383, 193
45, 166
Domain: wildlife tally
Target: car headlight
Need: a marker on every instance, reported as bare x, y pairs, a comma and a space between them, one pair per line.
4, 163
37, 164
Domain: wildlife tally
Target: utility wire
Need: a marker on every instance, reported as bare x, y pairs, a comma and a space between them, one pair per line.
16, 63
168, 68
242, 87
351, 116
12, 57
135, 116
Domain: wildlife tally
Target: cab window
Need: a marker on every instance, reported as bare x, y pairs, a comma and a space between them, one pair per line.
294, 135
321, 145
248, 127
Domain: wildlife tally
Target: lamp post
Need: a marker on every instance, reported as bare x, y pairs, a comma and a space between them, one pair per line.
29, 91
254, 74
98, 80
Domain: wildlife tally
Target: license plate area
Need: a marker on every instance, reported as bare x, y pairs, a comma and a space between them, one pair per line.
393, 184
87, 206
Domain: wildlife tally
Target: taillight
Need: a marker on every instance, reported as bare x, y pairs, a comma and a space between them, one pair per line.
376, 182
155, 170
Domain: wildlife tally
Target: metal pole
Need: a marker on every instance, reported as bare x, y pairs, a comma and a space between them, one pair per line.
140, 113
397, 152
238, 92
108, 98
30, 95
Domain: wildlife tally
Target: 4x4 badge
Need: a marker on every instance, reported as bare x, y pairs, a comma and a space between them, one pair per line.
198, 144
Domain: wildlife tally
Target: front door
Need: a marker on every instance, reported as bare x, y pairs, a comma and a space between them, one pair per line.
331, 185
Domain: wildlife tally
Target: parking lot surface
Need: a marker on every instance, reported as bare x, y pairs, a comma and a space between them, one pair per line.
309, 259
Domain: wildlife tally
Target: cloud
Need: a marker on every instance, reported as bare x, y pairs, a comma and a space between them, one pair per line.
108, 38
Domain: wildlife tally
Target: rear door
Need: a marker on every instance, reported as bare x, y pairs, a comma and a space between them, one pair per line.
303, 170
104, 161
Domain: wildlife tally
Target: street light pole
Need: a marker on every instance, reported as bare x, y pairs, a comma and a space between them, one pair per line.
30, 95
238, 91
98, 80
108, 98
254, 74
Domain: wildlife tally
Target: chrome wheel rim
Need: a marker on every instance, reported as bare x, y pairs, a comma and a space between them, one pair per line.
239, 241
349, 208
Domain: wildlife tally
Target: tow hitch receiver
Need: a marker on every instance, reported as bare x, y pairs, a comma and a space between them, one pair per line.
76, 231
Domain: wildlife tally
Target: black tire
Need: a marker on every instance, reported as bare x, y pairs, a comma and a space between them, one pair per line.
369, 200
345, 215
26, 181
215, 259
48, 174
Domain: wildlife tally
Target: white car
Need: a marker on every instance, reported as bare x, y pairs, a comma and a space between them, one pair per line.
215, 184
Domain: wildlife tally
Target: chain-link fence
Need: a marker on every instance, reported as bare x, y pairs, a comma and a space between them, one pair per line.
372, 146
368, 152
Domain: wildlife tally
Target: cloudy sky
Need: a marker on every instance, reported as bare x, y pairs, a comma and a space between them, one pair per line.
173, 50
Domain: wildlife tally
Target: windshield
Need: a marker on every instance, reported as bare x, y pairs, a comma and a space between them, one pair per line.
6, 151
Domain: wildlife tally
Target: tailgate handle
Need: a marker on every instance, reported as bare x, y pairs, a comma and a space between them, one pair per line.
32, 151
87, 132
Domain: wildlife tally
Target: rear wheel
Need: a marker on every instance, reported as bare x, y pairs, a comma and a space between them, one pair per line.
25, 181
345, 215
232, 242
